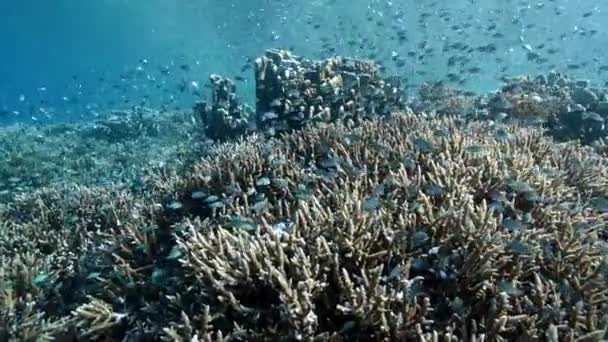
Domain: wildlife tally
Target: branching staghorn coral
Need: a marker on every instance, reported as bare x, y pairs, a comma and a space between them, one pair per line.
524, 152
95, 318
402, 228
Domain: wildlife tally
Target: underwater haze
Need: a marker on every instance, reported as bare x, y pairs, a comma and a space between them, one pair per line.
74, 60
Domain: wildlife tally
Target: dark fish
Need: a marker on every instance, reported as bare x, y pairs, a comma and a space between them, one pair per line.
436, 190
452, 77
600, 204
490, 48
502, 135
532, 56
246, 67
419, 238
372, 203
518, 247
592, 116
423, 145
512, 225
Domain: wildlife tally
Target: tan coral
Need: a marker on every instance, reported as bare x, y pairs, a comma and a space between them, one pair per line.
385, 231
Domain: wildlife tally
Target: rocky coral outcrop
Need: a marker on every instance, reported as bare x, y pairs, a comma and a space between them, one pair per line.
227, 117
571, 109
292, 92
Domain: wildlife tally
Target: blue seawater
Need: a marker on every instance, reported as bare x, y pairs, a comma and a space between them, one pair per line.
68, 60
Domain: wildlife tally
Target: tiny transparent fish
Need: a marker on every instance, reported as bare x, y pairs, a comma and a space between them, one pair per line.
436, 190
519, 187
243, 223
509, 287
518, 247
474, 149
217, 205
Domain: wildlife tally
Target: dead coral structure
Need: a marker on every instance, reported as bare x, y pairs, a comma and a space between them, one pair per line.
572, 109
226, 117
393, 230
292, 91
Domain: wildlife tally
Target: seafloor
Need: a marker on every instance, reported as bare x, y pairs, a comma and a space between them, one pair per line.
450, 217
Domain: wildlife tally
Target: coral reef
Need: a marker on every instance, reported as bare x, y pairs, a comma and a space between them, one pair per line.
568, 109
292, 91
402, 228
116, 149
571, 109
126, 125
364, 220
441, 99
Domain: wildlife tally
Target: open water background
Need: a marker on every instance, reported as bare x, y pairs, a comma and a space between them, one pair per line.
65, 60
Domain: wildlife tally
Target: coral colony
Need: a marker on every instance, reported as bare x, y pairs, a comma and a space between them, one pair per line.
332, 210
